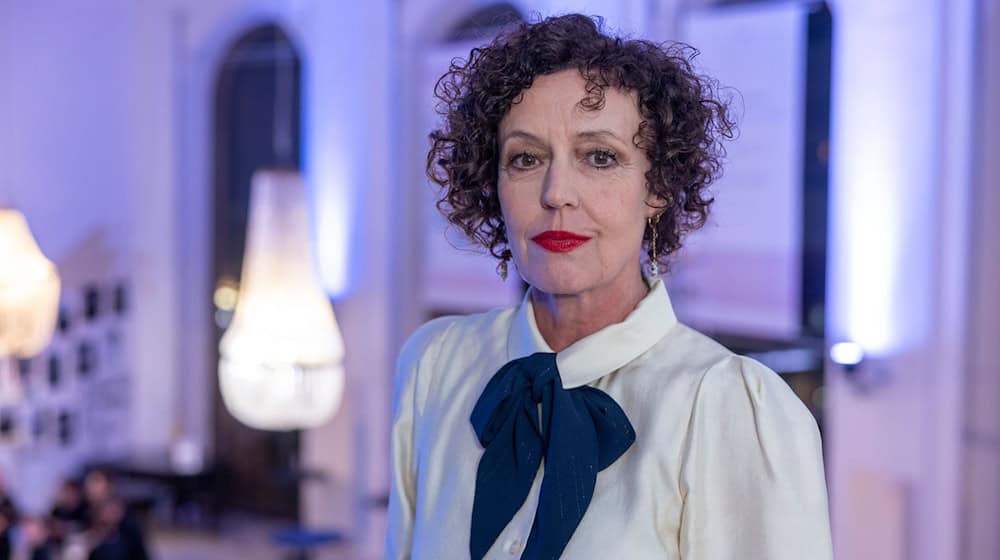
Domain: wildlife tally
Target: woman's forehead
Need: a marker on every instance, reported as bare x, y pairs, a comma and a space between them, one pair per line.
557, 100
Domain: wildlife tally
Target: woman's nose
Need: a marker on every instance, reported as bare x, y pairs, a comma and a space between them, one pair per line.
560, 187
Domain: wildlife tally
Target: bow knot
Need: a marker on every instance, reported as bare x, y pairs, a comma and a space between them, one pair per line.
581, 431
541, 380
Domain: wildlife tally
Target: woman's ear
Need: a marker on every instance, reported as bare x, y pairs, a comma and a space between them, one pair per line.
655, 205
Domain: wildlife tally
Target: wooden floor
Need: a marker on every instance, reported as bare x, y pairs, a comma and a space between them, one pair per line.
243, 540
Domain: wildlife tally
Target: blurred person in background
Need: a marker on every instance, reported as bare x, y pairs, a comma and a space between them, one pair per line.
578, 155
70, 513
9, 518
97, 489
116, 534
113, 532
35, 540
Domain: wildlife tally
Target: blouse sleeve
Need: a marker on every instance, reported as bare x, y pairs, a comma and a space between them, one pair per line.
408, 400
752, 473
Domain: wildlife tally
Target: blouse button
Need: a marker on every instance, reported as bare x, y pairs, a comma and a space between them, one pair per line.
515, 547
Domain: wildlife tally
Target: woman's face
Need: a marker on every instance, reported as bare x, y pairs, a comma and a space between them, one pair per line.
572, 186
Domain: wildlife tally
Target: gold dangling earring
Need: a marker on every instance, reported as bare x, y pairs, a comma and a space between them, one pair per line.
654, 267
502, 267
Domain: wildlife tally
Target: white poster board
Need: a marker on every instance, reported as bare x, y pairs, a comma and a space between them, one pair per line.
741, 274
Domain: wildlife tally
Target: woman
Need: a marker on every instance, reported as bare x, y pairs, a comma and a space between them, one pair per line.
587, 422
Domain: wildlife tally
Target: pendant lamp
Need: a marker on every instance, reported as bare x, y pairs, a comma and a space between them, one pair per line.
281, 359
29, 300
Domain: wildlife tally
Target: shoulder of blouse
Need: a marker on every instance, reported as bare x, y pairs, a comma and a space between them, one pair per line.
740, 392
422, 348
744, 378
722, 380
716, 368
428, 338
751, 470
686, 351
749, 416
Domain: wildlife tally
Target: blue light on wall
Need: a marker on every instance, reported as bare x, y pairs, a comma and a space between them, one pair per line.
333, 212
883, 174
337, 162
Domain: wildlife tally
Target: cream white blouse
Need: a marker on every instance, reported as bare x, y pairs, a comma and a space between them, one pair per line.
726, 465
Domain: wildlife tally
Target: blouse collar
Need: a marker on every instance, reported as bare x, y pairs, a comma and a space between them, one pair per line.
604, 351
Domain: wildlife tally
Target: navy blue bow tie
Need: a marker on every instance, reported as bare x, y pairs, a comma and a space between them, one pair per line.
581, 431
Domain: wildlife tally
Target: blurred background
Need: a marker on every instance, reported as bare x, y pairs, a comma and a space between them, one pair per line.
215, 234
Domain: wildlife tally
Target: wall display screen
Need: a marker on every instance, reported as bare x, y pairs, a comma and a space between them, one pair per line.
743, 272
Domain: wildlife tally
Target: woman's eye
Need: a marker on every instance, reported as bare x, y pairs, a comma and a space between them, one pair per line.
524, 160
602, 158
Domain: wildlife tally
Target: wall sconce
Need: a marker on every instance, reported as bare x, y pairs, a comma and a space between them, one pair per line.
281, 365
847, 354
864, 373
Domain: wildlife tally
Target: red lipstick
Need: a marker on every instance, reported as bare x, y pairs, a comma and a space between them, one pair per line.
559, 241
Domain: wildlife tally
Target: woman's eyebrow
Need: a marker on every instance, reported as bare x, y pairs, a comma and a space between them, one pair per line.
588, 134
517, 133
598, 134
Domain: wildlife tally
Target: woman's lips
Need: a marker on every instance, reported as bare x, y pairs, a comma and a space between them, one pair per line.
559, 241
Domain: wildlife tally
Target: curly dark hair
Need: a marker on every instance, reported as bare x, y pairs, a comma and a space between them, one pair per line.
681, 132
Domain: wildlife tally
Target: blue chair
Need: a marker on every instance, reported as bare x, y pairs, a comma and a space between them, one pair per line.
302, 541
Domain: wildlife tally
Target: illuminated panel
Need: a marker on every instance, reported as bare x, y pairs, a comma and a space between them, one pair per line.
883, 171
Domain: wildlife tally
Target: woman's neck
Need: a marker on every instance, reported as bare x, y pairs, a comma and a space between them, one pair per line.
563, 319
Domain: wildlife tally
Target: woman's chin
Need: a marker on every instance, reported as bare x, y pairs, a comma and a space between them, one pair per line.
561, 280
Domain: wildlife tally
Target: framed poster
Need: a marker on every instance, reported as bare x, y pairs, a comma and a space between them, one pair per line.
758, 266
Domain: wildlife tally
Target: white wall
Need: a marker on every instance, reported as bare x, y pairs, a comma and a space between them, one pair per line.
106, 125
899, 213
84, 124
981, 488
6, 100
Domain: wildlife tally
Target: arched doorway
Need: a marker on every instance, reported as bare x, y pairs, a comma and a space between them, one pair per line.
256, 123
